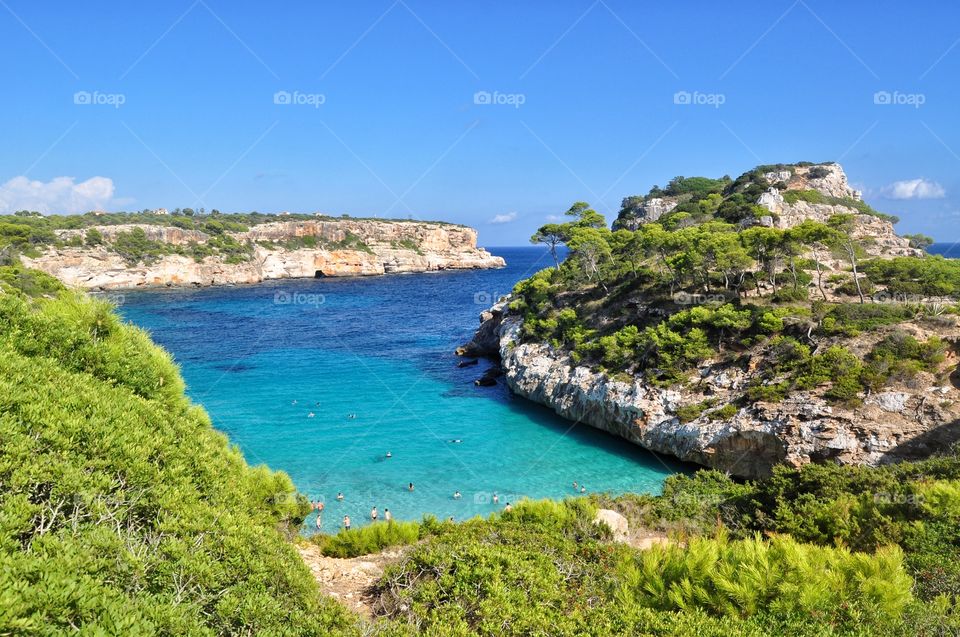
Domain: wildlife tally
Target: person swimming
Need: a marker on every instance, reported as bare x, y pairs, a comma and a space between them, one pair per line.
456, 495
410, 487
455, 441
496, 498
583, 489
575, 485
389, 455
351, 416
373, 514
346, 522
340, 496
310, 415
293, 402
387, 515
319, 520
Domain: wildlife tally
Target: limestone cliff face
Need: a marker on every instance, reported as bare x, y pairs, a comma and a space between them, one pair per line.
391, 246
908, 423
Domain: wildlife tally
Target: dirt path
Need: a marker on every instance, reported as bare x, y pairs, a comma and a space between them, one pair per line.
348, 580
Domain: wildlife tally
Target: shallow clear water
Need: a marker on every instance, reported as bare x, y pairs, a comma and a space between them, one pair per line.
262, 358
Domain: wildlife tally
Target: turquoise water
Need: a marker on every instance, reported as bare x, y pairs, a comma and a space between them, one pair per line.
371, 359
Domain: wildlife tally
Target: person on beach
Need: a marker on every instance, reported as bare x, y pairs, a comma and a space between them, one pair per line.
340, 496
387, 515
373, 514
346, 523
508, 508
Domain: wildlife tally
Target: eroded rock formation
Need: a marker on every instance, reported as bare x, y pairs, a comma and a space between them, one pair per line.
343, 248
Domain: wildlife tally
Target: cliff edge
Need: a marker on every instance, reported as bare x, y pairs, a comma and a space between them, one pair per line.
144, 255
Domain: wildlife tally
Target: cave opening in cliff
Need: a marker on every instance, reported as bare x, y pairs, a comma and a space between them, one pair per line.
319, 274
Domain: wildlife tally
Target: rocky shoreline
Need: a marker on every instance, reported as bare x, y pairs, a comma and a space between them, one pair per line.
379, 247
889, 426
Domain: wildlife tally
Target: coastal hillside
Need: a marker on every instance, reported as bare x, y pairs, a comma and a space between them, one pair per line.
740, 324
149, 249
122, 511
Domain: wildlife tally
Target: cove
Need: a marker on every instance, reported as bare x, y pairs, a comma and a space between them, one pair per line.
320, 378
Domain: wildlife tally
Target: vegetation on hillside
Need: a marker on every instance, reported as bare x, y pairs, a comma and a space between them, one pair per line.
121, 510
694, 286
29, 233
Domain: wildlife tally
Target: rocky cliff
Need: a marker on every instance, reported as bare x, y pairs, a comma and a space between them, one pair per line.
277, 250
907, 422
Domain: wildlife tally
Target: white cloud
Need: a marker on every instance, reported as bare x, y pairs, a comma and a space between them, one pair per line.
504, 218
919, 188
554, 218
59, 195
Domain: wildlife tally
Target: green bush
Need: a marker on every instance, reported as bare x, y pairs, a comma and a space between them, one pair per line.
742, 578
369, 539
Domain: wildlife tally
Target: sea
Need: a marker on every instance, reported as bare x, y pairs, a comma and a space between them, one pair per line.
351, 386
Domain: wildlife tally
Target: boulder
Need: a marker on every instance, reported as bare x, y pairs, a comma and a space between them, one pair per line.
617, 524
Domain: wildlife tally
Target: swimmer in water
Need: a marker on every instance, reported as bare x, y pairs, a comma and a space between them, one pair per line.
340, 496
456, 495
496, 498
455, 441
575, 485
389, 455
410, 487
310, 415
373, 514
387, 515
346, 522
293, 402
583, 489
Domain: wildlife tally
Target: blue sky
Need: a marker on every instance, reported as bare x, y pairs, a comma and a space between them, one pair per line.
383, 116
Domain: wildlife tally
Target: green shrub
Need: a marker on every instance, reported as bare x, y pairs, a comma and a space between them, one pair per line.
369, 539
741, 578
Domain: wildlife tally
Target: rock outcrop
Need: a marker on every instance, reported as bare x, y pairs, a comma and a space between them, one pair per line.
803, 428
343, 248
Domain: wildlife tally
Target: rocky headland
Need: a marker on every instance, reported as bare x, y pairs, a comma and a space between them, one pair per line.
907, 416
275, 250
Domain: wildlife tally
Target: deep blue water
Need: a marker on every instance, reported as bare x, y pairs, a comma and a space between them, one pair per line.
262, 358
949, 250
